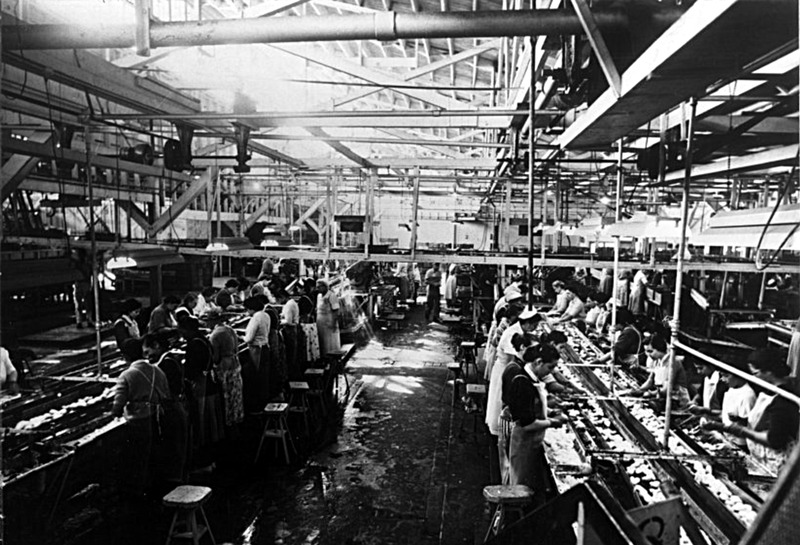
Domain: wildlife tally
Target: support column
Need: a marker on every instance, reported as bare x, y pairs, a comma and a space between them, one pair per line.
335, 197
370, 209
328, 219
93, 252
415, 206
507, 220
531, 166
620, 182
676, 315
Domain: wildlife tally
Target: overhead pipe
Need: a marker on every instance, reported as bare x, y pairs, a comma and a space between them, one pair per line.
226, 116
383, 26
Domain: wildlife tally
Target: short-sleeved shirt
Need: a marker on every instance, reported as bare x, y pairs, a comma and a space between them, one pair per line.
737, 403
433, 279
505, 349
290, 313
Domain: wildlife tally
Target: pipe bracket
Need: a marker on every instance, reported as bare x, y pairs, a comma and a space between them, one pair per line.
385, 26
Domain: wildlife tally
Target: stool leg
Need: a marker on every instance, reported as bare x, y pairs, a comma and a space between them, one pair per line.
261, 442
208, 526
171, 527
285, 425
492, 523
285, 447
501, 519
306, 410
195, 530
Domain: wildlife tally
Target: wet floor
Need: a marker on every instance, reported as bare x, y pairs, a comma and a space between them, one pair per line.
404, 467
395, 463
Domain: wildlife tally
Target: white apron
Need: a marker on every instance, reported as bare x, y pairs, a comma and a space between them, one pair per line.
770, 457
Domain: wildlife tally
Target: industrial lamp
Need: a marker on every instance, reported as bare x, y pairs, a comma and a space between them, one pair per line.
143, 258
228, 244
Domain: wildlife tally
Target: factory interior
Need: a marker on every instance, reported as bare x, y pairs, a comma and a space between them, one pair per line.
438, 272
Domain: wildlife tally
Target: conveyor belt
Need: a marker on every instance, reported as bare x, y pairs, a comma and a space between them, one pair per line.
716, 518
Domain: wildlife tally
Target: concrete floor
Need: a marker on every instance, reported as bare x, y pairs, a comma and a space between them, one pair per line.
397, 464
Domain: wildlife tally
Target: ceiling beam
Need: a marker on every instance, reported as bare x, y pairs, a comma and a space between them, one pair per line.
338, 146
196, 189
785, 155
40, 149
315, 163
89, 73
702, 47
18, 166
63, 186
598, 45
136, 214
422, 70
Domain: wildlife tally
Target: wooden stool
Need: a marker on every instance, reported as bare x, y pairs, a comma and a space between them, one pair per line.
477, 392
508, 499
298, 401
454, 368
317, 387
187, 500
469, 356
276, 427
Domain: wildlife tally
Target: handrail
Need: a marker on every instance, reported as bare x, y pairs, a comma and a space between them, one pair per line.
741, 374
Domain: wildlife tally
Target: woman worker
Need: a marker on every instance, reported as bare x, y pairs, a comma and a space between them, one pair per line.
527, 406
771, 429
658, 355
327, 319
228, 370
256, 373
628, 345
126, 326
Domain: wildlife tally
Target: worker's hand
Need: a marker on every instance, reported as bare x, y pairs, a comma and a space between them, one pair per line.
698, 409
12, 387
558, 420
712, 425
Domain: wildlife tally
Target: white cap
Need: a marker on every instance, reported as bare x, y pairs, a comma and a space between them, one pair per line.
527, 314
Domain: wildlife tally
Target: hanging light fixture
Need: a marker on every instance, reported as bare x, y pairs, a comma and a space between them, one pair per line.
229, 244
121, 258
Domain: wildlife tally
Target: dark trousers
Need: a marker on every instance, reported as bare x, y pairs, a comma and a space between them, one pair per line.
432, 304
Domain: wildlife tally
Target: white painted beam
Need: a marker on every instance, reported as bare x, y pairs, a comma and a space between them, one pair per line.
784, 155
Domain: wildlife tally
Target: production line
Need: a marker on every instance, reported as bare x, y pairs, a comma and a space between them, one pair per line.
703, 467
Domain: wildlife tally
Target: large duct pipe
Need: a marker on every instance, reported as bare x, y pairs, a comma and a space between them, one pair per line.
385, 26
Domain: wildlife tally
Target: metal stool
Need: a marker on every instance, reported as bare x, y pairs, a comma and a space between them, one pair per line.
276, 427
298, 401
454, 368
508, 499
469, 357
187, 500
